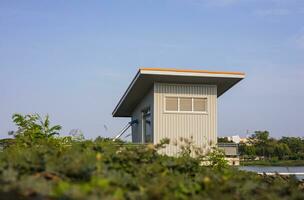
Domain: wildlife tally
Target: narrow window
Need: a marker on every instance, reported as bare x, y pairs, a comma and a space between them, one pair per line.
199, 104
185, 104
171, 104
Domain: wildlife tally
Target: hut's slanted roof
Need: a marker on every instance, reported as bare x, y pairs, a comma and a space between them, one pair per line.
146, 77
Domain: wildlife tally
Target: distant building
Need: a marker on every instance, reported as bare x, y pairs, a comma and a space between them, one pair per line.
231, 152
234, 138
174, 104
237, 139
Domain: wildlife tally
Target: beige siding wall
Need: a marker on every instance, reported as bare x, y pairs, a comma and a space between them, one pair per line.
137, 114
201, 127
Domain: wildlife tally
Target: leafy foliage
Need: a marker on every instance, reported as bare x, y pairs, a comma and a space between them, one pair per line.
62, 168
217, 160
261, 145
31, 128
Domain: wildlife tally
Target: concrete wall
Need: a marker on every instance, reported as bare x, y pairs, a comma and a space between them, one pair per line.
202, 127
137, 114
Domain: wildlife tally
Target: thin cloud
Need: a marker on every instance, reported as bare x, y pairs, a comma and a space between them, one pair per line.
297, 40
300, 41
272, 12
220, 3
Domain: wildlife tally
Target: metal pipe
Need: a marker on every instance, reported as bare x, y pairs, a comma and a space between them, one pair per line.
126, 128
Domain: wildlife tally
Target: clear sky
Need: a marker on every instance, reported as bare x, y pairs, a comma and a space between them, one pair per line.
74, 59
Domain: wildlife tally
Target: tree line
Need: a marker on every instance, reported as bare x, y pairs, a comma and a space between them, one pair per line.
261, 145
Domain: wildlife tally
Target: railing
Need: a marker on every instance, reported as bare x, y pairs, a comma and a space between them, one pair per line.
230, 149
227, 145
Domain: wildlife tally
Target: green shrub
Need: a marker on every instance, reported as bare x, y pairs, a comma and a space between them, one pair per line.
62, 168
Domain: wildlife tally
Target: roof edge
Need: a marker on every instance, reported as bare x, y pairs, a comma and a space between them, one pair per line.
141, 70
126, 92
190, 71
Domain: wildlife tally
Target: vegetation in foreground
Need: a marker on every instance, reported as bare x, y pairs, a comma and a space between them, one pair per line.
38, 164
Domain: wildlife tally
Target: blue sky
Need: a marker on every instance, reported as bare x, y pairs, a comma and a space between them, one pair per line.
74, 59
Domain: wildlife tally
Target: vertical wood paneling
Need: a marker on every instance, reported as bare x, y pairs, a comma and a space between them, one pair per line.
202, 127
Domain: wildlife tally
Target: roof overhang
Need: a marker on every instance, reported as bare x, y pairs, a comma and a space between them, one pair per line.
146, 77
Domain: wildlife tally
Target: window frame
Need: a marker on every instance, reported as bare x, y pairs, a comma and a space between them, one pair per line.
165, 104
207, 103
186, 112
179, 104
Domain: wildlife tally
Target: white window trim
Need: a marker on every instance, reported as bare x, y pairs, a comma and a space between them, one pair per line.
178, 105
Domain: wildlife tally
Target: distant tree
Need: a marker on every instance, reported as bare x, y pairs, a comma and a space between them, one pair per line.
223, 140
295, 144
282, 150
248, 150
260, 140
260, 144
269, 147
259, 137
